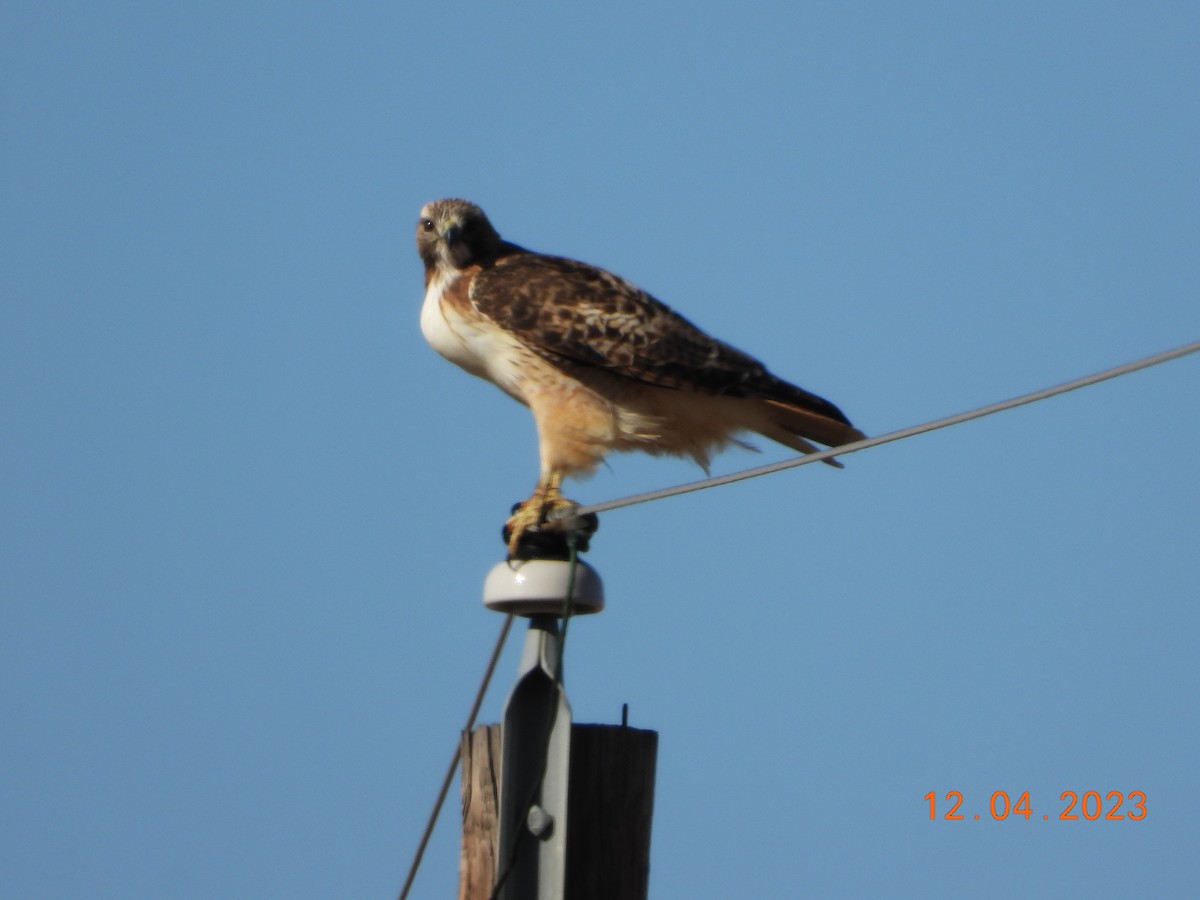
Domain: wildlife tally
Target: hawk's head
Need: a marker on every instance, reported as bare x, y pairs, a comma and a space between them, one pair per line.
453, 234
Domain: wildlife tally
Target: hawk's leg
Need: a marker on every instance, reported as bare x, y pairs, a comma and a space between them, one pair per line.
534, 513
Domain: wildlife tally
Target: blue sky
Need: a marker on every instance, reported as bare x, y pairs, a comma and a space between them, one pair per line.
248, 512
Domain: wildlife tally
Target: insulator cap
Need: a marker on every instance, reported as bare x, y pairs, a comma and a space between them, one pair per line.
536, 587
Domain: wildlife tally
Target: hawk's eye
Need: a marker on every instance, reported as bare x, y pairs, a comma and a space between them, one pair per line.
427, 224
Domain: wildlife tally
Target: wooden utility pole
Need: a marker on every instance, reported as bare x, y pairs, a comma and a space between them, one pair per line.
480, 812
610, 803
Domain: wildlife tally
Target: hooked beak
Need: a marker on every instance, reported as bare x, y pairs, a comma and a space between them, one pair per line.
452, 233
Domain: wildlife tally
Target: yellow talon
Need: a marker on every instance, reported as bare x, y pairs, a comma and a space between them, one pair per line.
534, 513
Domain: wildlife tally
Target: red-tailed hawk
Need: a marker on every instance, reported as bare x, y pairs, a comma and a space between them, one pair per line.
602, 365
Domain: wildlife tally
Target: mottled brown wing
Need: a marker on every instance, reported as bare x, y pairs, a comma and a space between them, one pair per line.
571, 313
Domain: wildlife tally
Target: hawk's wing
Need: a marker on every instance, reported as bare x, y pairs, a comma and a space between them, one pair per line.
574, 314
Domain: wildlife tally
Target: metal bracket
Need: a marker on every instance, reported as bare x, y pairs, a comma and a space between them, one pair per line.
534, 771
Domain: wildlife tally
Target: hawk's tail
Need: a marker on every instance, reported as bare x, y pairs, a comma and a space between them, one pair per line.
790, 425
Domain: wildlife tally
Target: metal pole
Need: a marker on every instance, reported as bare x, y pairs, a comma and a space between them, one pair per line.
534, 772
536, 755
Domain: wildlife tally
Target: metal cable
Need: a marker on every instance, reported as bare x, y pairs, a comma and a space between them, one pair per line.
449, 776
854, 447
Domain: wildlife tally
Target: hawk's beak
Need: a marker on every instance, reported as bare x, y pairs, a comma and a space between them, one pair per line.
452, 233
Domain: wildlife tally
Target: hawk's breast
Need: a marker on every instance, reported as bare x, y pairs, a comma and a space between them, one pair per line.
459, 332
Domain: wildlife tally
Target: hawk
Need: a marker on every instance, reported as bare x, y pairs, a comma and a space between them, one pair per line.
602, 365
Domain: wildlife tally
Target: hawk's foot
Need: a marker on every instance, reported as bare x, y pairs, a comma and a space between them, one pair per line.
539, 526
